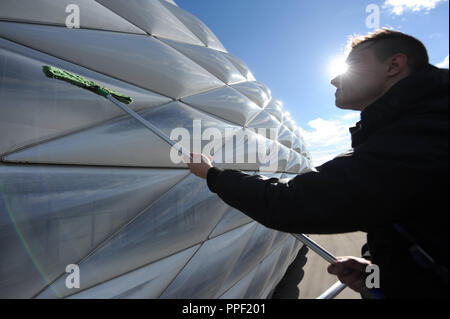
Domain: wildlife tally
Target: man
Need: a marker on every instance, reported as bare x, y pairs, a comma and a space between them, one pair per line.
393, 185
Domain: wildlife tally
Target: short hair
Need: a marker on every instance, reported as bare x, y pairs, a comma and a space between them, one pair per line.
387, 42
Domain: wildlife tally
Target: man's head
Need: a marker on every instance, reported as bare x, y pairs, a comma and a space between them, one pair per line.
375, 63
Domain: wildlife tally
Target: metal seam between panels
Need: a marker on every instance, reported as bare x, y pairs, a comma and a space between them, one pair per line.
76, 131
231, 229
113, 234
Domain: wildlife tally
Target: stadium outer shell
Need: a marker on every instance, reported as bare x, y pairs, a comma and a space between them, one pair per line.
82, 183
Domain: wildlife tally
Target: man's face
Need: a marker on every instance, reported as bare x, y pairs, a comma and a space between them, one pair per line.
363, 83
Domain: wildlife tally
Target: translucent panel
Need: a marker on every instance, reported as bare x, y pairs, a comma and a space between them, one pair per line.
254, 91
152, 17
250, 151
247, 151
44, 108
213, 61
183, 217
288, 121
266, 120
196, 27
282, 264
241, 66
137, 59
280, 158
123, 142
92, 14
55, 216
240, 288
146, 282
295, 163
278, 239
285, 136
275, 108
298, 132
232, 219
126, 142
226, 103
203, 275
210, 131
296, 146
256, 248
263, 274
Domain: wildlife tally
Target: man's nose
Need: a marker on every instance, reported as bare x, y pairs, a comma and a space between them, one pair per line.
336, 81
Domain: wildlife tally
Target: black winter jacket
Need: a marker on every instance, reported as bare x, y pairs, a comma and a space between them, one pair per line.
397, 172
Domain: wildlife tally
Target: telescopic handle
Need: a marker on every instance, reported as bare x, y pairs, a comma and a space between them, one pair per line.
149, 125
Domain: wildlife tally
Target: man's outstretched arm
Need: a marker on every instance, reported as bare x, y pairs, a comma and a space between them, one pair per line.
339, 199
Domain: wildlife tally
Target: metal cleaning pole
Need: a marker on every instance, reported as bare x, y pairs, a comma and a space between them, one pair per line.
316, 248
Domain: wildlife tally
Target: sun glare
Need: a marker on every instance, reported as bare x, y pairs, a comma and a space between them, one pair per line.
337, 66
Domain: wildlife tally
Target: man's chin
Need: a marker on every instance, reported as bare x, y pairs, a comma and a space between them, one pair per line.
347, 106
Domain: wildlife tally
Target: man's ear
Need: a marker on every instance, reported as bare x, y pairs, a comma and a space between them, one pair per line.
397, 64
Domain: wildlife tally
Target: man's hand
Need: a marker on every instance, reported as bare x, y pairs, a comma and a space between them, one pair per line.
352, 272
199, 164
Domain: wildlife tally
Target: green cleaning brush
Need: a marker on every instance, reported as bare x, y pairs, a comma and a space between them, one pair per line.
115, 97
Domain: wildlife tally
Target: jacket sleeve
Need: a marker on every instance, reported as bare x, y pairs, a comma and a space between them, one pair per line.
344, 195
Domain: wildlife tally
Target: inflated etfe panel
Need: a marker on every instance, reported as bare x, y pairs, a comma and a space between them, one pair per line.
83, 183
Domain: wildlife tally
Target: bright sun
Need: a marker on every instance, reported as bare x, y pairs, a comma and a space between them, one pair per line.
337, 66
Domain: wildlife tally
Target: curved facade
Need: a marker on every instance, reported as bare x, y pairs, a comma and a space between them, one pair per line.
83, 183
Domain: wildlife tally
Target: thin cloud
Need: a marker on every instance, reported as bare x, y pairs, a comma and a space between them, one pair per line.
399, 6
328, 138
443, 64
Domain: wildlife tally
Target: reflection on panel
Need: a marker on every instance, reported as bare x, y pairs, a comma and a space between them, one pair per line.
254, 91
267, 121
181, 218
180, 121
195, 26
241, 66
248, 151
226, 103
282, 263
285, 136
211, 60
122, 142
152, 17
54, 12
275, 108
263, 274
44, 108
59, 214
232, 219
256, 248
240, 288
295, 163
104, 52
146, 282
201, 278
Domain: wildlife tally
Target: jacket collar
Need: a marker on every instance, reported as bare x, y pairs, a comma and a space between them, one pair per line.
402, 97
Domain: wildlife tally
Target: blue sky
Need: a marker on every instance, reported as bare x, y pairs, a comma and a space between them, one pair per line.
288, 45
